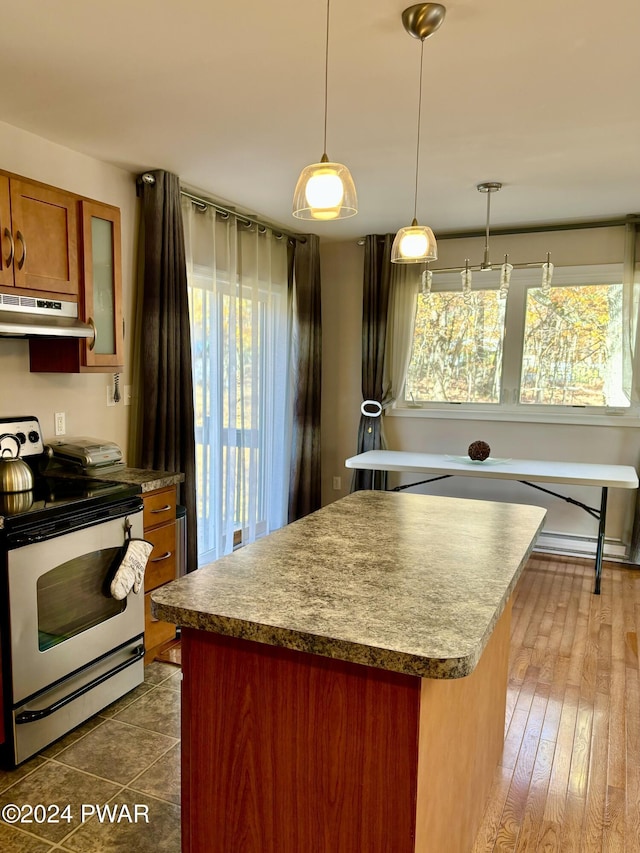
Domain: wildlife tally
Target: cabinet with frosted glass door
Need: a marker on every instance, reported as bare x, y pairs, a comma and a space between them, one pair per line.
100, 303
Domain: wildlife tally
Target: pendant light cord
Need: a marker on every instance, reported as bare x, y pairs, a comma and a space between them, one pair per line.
415, 197
326, 81
486, 235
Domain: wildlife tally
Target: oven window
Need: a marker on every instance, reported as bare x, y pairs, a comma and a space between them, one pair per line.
75, 596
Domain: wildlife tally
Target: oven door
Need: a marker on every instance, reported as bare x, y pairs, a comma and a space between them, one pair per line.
61, 614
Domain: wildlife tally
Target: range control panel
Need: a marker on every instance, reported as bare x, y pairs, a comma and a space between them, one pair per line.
27, 430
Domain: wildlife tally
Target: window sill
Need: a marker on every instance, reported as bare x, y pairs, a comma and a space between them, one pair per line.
454, 412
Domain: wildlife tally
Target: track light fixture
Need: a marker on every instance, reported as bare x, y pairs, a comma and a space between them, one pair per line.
490, 187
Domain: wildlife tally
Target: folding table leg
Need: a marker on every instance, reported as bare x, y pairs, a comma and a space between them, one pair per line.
600, 545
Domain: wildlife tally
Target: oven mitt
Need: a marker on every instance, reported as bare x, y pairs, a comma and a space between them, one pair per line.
130, 572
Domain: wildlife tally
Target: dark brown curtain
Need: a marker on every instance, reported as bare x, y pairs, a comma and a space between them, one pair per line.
168, 442
375, 307
306, 360
632, 362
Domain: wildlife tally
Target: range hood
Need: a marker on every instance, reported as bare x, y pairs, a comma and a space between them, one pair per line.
29, 317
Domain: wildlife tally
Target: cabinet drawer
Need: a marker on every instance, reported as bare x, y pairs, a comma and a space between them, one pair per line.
159, 507
161, 567
155, 632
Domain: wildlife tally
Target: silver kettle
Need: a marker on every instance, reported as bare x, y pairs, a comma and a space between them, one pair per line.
15, 474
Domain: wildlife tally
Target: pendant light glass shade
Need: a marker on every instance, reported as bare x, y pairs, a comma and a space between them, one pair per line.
325, 191
414, 244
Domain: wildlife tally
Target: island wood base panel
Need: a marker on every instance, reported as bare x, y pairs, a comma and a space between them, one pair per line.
285, 751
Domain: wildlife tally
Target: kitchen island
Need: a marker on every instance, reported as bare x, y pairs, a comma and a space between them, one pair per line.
345, 677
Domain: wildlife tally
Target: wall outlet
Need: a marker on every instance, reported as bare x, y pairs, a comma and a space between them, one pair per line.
337, 483
60, 423
127, 394
110, 400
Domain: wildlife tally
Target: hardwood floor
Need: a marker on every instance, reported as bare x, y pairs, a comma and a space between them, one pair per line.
569, 779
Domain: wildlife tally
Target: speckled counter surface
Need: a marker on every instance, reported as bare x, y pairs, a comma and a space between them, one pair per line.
409, 583
147, 480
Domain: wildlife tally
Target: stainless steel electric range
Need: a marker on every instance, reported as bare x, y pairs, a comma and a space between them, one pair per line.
68, 647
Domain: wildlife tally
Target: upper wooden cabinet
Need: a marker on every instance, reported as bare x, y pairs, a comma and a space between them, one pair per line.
102, 284
100, 302
39, 229
6, 236
58, 245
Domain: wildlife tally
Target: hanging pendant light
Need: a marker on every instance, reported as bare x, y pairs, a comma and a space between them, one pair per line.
325, 190
415, 243
505, 277
547, 274
466, 277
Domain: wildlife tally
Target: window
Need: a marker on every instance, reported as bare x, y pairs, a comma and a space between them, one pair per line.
541, 351
572, 348
457, 348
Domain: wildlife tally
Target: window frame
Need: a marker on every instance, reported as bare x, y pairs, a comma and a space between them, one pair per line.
509, 407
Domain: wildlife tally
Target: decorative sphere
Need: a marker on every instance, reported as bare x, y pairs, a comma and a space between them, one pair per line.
479, 451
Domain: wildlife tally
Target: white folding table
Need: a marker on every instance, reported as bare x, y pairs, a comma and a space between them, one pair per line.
523, 470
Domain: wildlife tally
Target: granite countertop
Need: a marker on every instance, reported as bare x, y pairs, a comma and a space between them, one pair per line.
403, 582
146, 479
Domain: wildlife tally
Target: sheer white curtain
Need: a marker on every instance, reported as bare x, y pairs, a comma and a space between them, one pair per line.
237, 276
405, 281
630, 309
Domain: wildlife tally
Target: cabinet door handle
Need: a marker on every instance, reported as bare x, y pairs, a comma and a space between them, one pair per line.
94, 329
9, 237
165, 508
164, 556
24, 249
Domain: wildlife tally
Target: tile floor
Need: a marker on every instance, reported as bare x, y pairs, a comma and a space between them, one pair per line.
128, 754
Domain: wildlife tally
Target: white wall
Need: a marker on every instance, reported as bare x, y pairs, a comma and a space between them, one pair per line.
342, 270
81, 397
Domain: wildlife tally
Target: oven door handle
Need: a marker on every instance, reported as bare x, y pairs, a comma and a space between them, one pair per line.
32, 716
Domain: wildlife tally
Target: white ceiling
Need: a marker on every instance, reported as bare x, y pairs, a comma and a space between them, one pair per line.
229, 95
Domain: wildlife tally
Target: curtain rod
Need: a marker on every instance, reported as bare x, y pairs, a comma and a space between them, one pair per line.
242, 217
631, 219
148, 178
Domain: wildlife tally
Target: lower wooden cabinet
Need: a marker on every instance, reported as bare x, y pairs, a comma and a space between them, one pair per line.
155, 632
160, 529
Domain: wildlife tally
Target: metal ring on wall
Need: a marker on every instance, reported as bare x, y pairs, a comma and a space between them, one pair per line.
368, 414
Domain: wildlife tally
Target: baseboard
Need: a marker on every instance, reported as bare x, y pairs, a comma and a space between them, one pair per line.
580, 546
